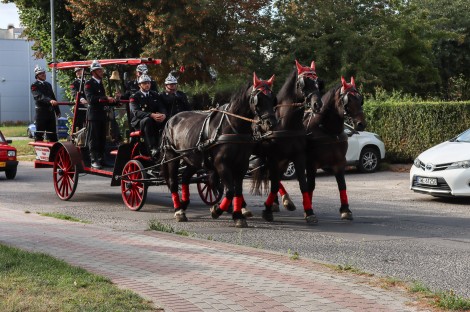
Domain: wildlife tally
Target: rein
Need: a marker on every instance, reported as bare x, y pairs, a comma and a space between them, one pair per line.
290, 104
233, 115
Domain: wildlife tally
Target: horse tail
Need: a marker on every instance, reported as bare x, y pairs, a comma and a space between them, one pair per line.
260, 177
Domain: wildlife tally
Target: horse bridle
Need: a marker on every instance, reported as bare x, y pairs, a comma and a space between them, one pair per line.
344, 97
254, 100
300, 85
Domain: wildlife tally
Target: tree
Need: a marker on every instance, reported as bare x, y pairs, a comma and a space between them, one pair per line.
35, 16
381, 43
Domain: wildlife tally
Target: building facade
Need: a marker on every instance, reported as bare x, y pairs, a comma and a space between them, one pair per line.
16, 76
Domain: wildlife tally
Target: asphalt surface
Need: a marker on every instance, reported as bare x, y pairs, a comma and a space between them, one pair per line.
395, 233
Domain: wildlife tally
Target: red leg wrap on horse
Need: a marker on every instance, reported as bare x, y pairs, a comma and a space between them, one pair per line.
270, 199
237, 203
343, 197
185, 192
176, 200
306, 201
310, 194
282, 190
225, 204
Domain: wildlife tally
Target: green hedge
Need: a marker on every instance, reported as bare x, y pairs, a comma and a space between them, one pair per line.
408, 129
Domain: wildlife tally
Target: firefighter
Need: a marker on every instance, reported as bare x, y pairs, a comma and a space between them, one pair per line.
97, 114
47, 108
148, 114
133, 85
77, 88
175, 101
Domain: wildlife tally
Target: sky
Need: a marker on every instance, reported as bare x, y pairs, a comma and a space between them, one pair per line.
8, 15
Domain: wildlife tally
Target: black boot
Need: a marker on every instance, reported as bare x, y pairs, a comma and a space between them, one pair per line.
94, 161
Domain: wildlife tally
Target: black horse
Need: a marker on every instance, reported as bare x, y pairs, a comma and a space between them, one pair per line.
221, 141
287, 141
327, 143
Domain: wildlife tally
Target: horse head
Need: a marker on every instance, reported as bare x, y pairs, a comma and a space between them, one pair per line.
262, 102
352, 102
308, 86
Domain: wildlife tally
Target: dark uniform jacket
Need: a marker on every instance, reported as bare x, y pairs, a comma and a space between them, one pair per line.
77, 85
75, 88
175, 103
142, 106
43, 94
94, 91
132, 87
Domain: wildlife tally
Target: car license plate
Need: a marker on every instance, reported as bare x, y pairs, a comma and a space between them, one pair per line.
3, 164
427, 181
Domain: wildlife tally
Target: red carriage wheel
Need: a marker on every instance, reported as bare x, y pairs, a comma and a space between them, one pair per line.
65, 175
208, 193
133, 192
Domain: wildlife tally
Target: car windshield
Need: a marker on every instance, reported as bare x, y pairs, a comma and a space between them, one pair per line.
2, 138
464, 137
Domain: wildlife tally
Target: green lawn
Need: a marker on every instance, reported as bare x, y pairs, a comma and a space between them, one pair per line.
14, 131
38, 282
25, 151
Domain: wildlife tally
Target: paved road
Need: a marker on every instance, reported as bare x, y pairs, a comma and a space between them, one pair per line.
395, 233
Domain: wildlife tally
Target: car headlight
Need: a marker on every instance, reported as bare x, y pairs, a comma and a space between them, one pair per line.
11, 153
417, 163
378, 137
464, 164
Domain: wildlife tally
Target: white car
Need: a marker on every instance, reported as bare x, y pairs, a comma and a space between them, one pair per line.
365, 151
443, 170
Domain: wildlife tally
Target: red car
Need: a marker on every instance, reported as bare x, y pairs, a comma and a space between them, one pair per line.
8, 162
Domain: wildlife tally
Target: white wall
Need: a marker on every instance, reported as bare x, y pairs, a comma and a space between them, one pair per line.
16, 76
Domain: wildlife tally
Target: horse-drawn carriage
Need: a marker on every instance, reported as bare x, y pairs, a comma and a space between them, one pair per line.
125, 162
215, 146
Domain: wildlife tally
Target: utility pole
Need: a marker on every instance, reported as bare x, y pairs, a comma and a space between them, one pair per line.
54, 80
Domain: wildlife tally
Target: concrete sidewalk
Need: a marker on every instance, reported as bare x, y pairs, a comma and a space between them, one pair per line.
184, 274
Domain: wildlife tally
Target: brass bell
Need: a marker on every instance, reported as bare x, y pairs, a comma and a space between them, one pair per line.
115, 75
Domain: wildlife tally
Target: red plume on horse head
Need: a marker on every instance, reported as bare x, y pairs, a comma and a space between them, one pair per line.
305, 70
257, 82
346, 85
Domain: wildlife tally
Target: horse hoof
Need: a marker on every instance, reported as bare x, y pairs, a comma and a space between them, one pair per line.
267, 215
247, 213
216, 211
346, 216
180, 216
310, 217
345, 213
184, 204
275, 207
288, 203
241, 223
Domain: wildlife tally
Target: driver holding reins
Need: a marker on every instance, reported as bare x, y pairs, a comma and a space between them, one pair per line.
148, 114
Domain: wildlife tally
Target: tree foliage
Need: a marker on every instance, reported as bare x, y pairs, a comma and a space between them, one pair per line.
415, 46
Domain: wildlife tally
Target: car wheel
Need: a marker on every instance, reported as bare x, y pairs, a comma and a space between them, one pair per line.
10, 173
369, 160
30, 135
290, 172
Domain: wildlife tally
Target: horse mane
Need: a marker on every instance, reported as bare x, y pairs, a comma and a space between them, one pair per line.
239, 98
329, 97
287, 91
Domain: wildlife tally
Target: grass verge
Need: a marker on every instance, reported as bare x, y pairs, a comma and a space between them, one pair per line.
61, 216
23, 149
38, 282
14, 131
446, 300
443, 300
155, 225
